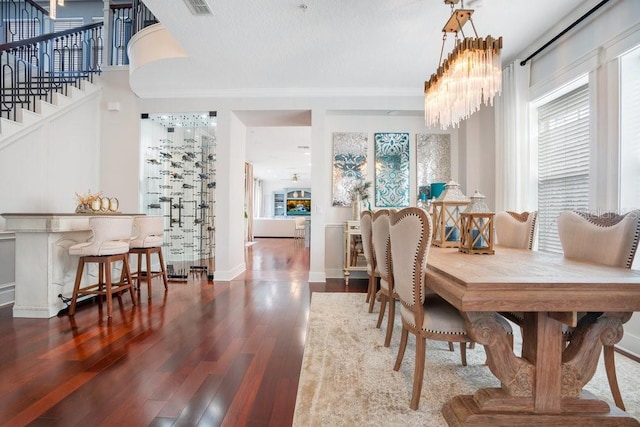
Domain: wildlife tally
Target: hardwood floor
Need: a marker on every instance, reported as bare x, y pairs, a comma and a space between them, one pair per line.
202, 353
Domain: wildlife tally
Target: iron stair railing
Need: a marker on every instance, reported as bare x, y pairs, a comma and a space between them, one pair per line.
125, 21
21, 19
34, 68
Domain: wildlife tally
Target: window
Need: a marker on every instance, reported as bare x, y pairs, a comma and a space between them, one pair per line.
629, 133
563, 161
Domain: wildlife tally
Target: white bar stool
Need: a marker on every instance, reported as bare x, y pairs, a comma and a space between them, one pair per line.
150, 230
109, 244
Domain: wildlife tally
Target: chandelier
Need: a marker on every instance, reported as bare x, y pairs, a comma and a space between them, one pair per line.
471, 74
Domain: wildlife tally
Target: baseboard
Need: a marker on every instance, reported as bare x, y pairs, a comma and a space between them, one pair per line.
228, 275
7, 294
317, 277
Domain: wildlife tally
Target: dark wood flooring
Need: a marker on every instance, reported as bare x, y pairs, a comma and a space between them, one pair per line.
200, 354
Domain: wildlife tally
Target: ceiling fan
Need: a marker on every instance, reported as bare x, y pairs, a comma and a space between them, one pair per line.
294, 178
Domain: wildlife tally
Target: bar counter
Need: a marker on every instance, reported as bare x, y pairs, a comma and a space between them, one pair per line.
44, 269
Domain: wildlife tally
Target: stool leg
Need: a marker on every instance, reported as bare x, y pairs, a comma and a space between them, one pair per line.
138, 272
108, 286
126, 273
76, 287
162, 268
148, 252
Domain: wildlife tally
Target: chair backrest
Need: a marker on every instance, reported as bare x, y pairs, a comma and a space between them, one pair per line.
299, 221
410, 231
608, 239
106, 228
148, 231
382, 247
366, 223
516, 230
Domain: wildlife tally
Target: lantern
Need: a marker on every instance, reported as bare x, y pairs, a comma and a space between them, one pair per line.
446, 216
476, 223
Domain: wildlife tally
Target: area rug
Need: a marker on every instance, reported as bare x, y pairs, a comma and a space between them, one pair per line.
347, 376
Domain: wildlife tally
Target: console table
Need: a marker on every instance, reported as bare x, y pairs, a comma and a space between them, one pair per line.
353, 251
44, 268
544, 386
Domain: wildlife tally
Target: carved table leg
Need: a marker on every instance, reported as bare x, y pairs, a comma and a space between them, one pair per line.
544, 386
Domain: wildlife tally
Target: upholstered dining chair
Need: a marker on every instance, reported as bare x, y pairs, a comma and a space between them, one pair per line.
148, 240
515, 230
424, 314
608, 239
366, 224
382, 254
108, 244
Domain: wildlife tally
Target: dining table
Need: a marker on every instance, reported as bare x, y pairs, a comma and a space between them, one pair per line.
544, 384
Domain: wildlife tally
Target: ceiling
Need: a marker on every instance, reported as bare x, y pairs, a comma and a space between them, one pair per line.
332, 48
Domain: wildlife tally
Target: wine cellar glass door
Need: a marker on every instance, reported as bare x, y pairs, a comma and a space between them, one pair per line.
179, 183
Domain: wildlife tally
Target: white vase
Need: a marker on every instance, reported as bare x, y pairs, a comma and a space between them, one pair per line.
356, 208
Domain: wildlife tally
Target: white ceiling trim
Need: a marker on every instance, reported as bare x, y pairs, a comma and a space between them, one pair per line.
281, 93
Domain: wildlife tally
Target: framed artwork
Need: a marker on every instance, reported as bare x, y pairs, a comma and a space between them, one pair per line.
392, 169
349, 164
433, 160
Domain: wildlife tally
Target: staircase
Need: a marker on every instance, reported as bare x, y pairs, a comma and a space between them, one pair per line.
42, 109
41, 74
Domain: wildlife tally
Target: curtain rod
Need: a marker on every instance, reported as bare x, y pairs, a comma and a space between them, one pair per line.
563, 32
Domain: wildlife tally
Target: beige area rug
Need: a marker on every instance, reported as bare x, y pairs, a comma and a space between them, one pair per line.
347, 376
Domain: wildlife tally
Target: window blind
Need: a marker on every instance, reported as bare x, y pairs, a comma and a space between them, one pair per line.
563, 162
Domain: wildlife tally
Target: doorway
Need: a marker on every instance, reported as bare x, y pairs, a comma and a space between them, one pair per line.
178, 182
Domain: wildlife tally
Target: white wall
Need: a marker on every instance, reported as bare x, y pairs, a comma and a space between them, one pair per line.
43, 167
476, 155
120, 135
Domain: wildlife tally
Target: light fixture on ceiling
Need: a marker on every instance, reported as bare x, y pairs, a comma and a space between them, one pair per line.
294, 178
52, 7
471, 74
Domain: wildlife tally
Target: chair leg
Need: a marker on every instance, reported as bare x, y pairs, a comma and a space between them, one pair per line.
418, 372
383, 306
371, 294
610, 367
451, 346
391, 318
404, 335
463, 353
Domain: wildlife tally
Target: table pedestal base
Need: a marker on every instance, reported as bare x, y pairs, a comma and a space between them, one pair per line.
465, 411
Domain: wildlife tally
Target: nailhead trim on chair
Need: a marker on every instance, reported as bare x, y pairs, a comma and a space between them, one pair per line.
609, 219
523, 217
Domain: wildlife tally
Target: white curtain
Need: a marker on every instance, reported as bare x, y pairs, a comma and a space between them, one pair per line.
258, 198
248, 200
513, 165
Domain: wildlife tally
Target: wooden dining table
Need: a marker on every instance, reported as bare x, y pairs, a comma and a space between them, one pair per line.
543, 385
